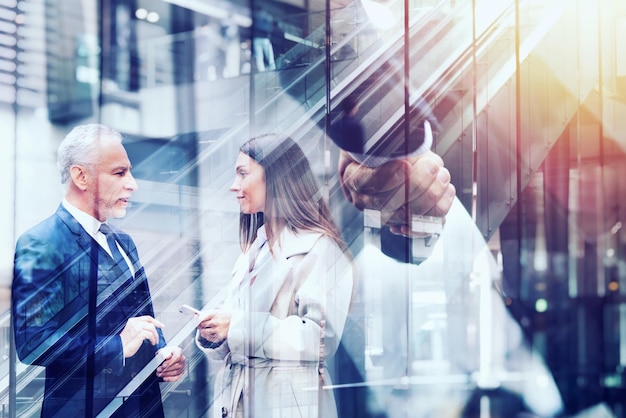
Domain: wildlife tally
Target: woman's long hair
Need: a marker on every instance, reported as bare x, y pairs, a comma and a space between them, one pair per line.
293, 199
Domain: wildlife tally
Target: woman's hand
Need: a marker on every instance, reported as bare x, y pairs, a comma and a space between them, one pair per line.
214, 325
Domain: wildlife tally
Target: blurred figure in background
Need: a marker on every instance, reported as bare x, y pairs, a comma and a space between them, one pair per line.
262, 48
231, 47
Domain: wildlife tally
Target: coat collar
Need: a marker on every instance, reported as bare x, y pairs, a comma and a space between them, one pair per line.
300, 242
83, 236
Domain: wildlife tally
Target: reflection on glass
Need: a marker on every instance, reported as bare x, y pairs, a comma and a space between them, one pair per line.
519, 308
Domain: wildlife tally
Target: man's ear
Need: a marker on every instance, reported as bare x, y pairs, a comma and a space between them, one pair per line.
80, 177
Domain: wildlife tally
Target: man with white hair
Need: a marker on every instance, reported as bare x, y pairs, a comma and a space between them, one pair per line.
80, 297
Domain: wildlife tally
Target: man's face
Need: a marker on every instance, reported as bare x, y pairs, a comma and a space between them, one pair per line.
114, 182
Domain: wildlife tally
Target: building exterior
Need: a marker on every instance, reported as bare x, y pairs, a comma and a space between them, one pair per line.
520, 306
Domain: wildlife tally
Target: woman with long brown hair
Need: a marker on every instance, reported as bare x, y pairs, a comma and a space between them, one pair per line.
285, 308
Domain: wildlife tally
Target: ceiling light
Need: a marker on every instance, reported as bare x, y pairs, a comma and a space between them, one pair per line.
153, 17
141, 13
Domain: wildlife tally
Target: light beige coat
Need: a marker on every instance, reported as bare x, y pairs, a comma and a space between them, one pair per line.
269, 363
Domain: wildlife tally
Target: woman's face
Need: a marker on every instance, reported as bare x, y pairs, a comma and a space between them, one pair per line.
249, 185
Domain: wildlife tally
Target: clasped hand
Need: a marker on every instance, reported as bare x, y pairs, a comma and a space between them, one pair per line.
418, 185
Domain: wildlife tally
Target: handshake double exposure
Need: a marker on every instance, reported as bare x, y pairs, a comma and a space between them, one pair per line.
412, 193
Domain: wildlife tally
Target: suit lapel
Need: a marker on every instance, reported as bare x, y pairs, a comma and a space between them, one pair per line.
131, 251
111, 283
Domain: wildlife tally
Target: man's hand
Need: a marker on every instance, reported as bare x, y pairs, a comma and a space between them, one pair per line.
173, 367
138, 329
214, 325
417, 185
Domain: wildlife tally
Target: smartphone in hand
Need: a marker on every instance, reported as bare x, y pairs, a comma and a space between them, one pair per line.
188, 310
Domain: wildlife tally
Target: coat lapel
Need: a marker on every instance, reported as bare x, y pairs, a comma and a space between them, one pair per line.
131, 251
272, 273
274, 270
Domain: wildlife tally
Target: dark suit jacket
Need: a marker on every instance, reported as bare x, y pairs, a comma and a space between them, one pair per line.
53, 264
348, 134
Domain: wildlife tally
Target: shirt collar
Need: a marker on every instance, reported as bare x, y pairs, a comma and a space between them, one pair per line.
88, 222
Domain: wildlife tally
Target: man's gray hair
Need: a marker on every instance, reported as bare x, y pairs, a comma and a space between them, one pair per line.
80, 147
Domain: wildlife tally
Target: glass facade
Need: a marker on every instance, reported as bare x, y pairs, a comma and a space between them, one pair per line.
518, 308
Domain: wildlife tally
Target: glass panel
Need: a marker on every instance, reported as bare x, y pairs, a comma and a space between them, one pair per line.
515, 308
